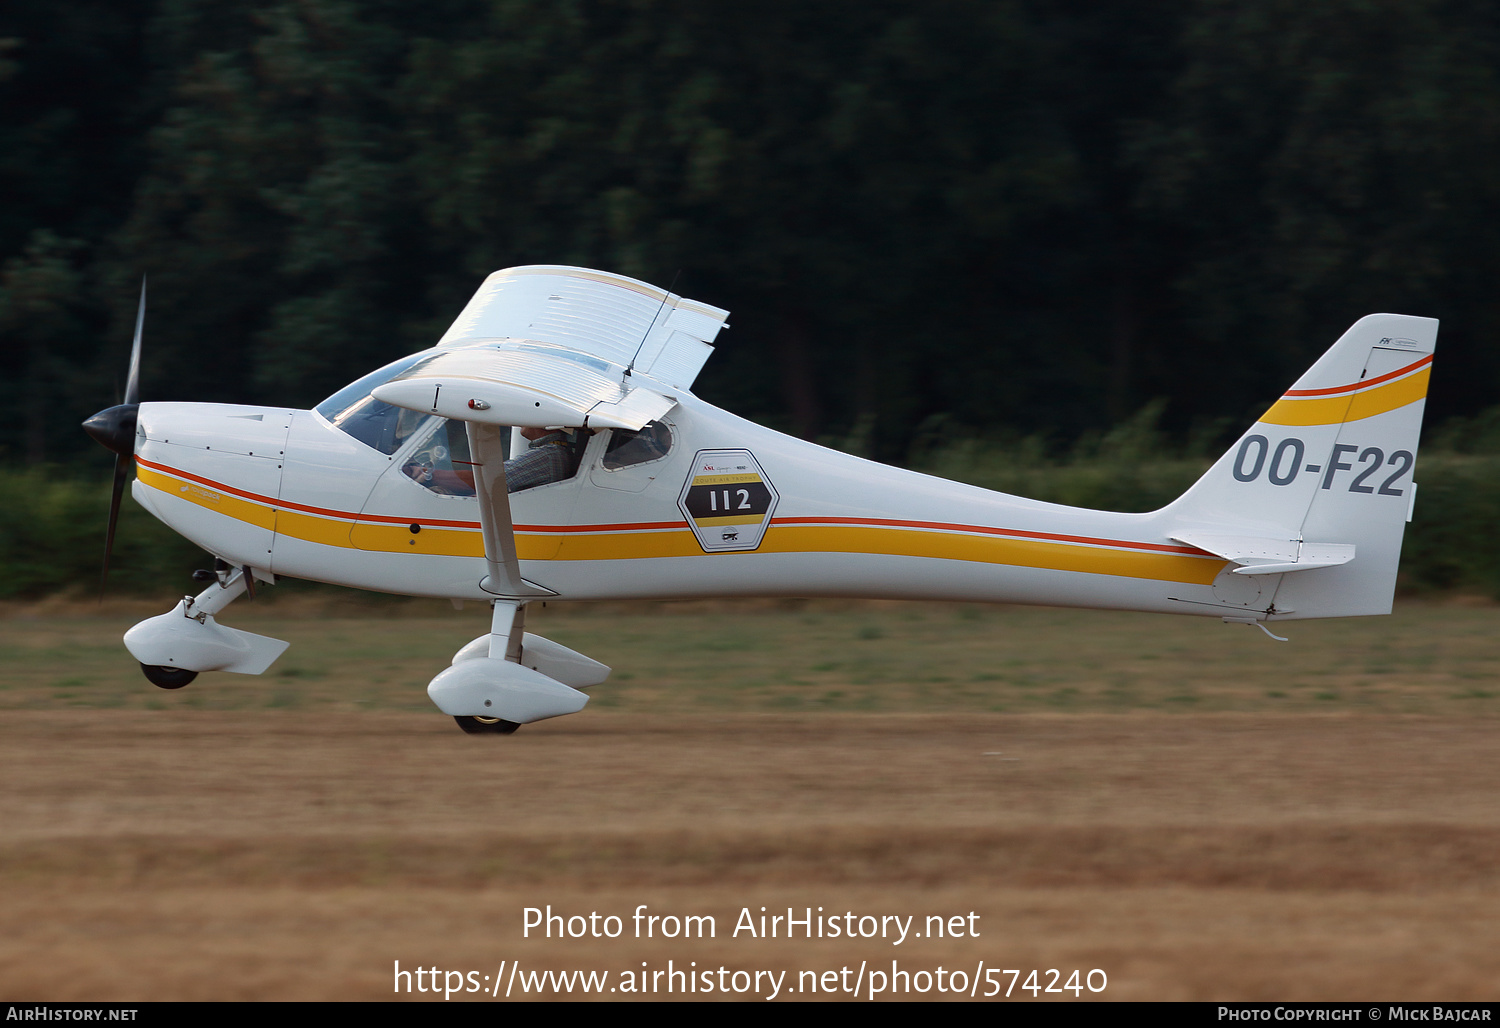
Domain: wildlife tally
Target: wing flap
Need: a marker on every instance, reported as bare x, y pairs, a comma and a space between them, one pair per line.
639, 407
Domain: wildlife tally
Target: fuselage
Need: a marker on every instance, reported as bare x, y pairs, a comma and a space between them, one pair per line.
630, 487
731, 509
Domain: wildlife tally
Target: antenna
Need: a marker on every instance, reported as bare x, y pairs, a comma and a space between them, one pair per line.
652, 324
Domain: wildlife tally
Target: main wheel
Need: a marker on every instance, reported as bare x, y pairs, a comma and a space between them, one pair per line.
485, 725
167, 677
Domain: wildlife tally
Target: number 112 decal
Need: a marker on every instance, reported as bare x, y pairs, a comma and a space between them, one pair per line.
727, 500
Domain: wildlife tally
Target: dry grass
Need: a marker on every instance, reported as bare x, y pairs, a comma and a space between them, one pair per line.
1200, 812
272, 854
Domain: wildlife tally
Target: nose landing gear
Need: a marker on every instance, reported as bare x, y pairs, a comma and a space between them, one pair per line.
174, 647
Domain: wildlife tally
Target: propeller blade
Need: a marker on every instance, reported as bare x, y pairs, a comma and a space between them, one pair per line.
133, 383
122, 466
115, 429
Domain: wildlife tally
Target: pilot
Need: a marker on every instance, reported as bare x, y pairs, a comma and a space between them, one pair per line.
549, 458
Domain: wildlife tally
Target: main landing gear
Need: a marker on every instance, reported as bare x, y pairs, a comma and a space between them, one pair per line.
486, 725
509, 678
164, 677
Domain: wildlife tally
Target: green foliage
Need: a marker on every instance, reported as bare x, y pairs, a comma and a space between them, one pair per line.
1451, 542
1131, 468
1031, 217
1316, 162
52, 540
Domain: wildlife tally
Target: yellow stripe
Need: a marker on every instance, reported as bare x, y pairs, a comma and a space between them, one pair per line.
1027, 553
1096, 560
729, 519
228, 504
1334, 410
626, 546
749, 476
445, 542
899, 542
328, 531
441, 542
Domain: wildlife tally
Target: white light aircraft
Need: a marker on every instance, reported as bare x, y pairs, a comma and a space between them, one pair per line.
398, 483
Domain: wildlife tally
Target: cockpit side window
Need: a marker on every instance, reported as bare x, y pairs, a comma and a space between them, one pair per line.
441, 462
652, 442
353, 410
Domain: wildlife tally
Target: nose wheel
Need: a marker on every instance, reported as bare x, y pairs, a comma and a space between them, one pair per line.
167, 677
482, 725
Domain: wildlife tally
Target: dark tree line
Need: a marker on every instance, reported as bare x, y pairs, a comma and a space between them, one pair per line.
954, 216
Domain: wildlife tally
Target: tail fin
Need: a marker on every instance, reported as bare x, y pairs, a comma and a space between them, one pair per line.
1311, 503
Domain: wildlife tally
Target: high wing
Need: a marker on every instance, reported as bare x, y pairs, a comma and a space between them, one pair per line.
556, 346
619, 319
526, 384
546, 347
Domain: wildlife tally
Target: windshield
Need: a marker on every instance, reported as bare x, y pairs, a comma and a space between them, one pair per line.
373, 423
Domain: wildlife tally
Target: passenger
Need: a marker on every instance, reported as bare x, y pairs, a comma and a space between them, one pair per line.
549, 458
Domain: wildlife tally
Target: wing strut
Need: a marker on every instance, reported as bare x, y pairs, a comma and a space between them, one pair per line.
486, 446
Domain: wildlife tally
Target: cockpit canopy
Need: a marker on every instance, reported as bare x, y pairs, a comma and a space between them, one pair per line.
381, 425
440, 459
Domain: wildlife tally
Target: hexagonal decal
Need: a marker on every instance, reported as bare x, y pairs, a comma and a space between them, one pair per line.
727, 500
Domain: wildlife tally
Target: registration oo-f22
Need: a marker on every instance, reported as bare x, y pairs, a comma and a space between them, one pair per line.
398, 483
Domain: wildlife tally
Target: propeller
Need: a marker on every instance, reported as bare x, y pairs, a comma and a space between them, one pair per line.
114, 429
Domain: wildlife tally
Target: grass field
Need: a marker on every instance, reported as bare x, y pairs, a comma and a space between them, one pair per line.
1196, 810
346, 655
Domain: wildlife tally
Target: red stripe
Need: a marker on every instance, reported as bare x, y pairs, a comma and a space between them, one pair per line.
305, 508
984, 530
1360, 385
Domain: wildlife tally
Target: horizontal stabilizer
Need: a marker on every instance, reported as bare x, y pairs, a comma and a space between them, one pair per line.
1269, 556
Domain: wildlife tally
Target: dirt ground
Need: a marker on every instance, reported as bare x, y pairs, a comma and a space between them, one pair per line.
299, 854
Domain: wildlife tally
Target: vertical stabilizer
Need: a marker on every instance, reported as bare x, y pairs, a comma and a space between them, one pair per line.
1313, 500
